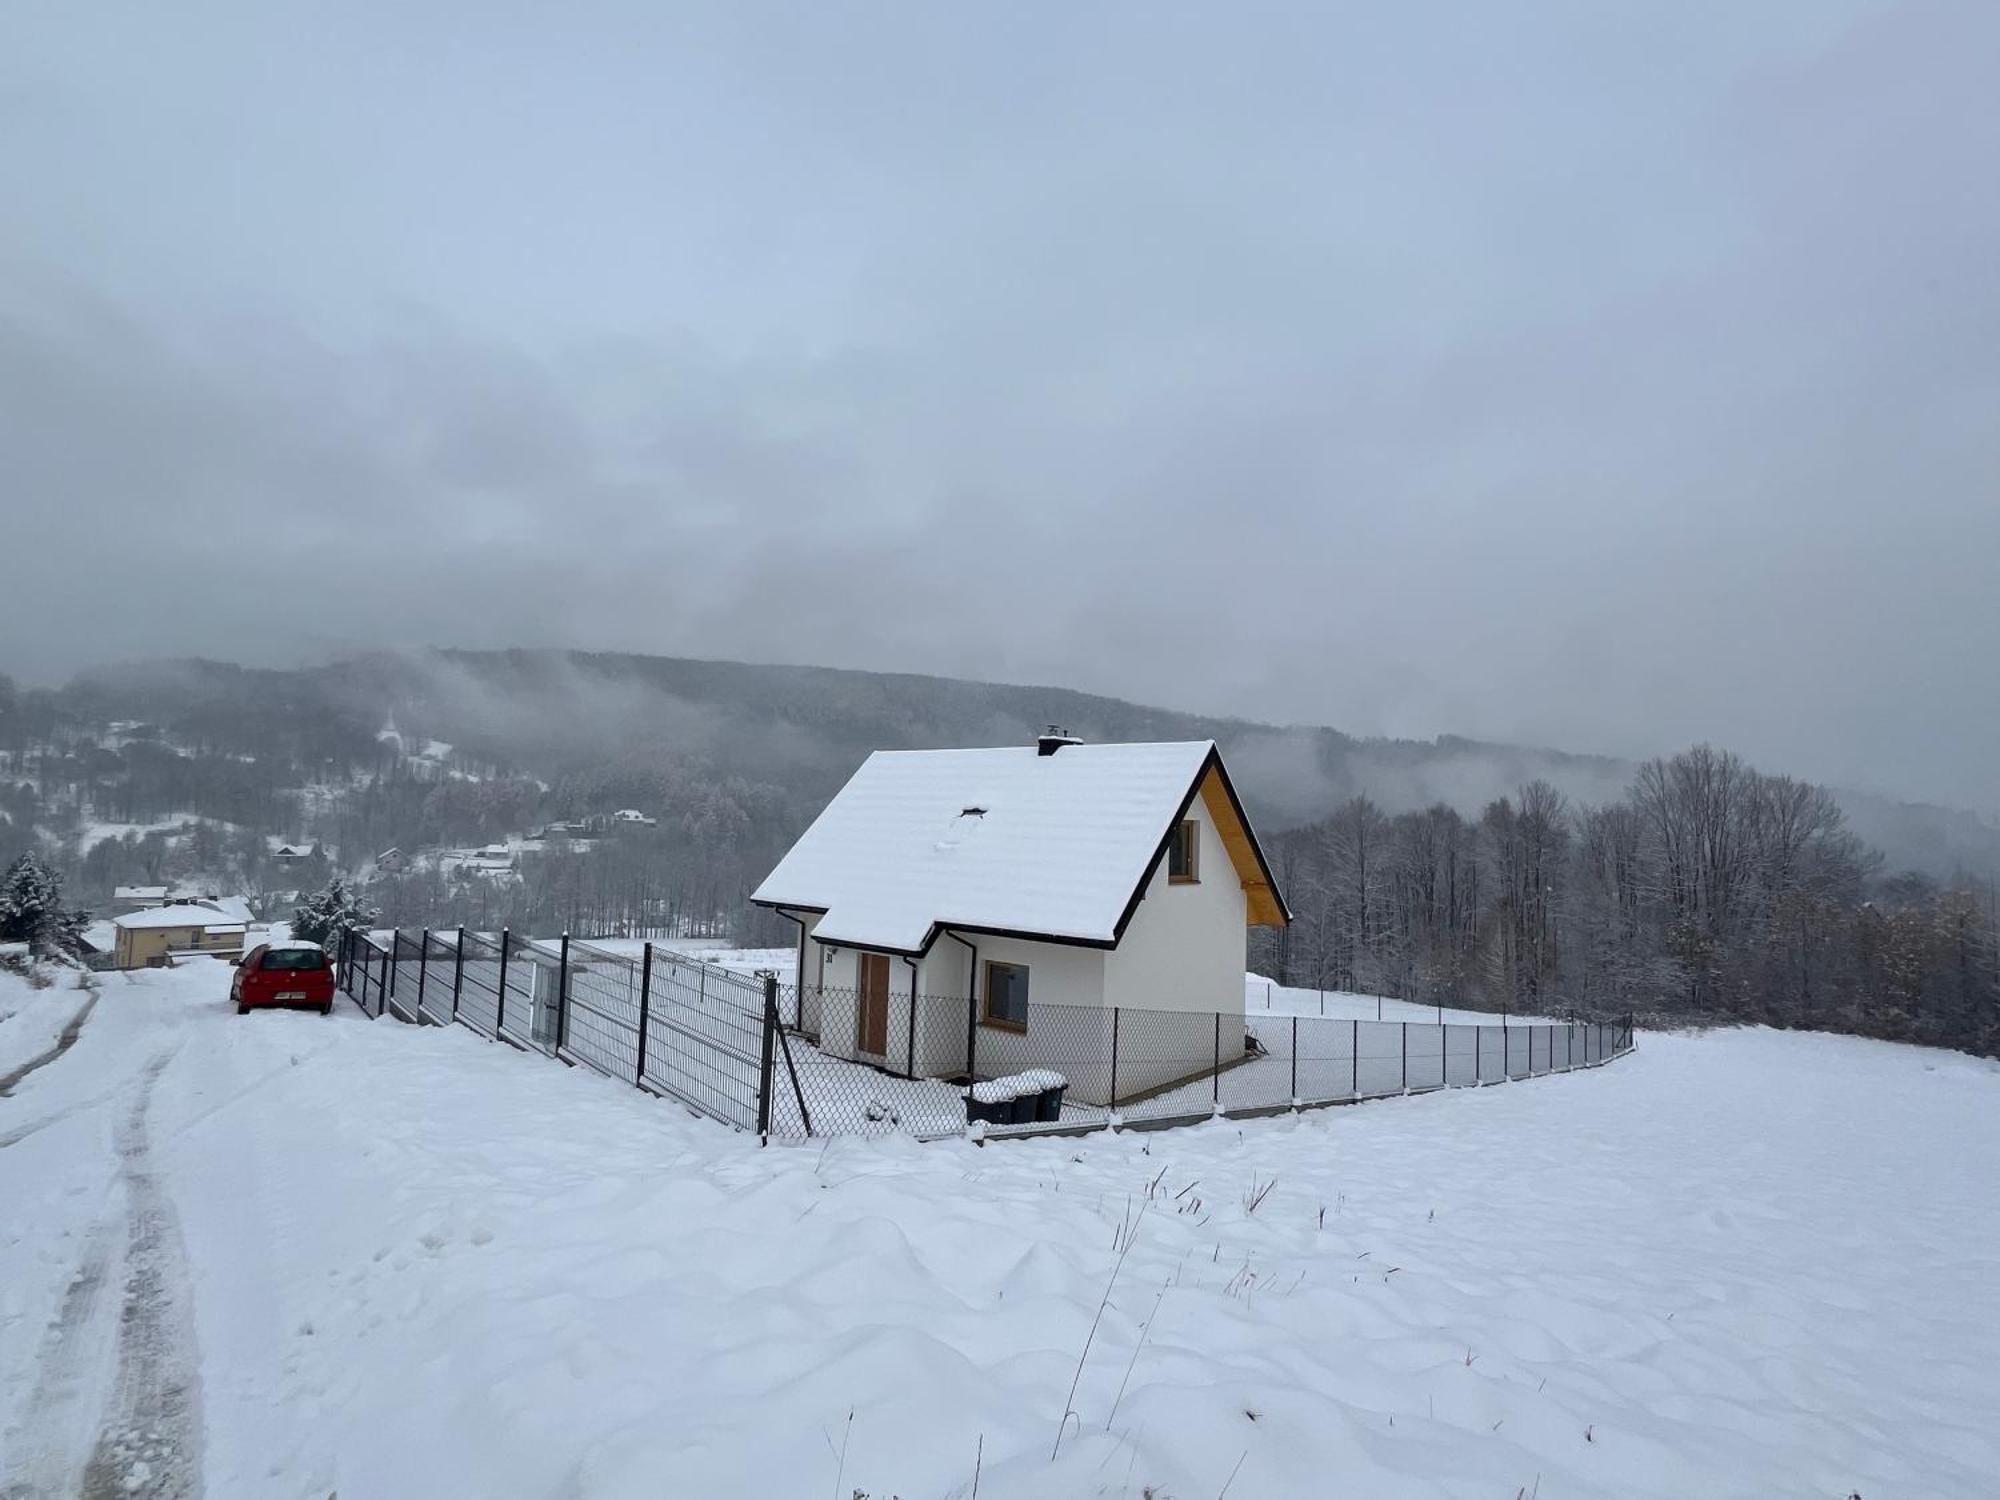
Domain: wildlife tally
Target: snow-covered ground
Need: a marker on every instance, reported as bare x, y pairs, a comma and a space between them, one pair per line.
33, 1017
95, 830
1262, 996
287, 1255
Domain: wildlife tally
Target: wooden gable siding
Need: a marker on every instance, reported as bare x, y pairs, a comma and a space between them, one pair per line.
1265, 909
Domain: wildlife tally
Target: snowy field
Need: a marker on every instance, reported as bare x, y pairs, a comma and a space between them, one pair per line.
1262, 996
286, 1255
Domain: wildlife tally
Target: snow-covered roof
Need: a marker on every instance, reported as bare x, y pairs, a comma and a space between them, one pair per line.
187, 915
1003, 840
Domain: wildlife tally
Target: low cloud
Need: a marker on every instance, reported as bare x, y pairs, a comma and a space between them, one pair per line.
1607, 386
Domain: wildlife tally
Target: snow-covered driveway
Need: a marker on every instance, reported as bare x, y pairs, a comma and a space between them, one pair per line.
287, 1255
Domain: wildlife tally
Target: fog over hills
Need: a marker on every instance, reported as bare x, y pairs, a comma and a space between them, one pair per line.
551, 714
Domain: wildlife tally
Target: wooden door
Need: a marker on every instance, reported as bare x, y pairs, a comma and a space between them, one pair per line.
871, 1026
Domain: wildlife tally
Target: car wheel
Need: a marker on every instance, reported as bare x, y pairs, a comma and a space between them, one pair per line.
326, 1009
242, 1009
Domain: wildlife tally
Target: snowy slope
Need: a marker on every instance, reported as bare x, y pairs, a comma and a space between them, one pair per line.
402, 1262
33, 1016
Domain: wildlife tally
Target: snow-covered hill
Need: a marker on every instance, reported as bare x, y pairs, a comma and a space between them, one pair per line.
390, 1261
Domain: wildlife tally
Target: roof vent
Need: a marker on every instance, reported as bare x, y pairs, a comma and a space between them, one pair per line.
1053, 739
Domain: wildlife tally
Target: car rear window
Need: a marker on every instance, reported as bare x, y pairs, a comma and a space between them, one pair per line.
294, 958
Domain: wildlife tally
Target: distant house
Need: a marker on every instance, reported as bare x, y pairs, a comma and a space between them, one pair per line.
148, 939
1008, 903
289, 855
490, 862
632, 817
137, 897
391, 862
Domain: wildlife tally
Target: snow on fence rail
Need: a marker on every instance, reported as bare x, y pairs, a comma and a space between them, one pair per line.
796, 1062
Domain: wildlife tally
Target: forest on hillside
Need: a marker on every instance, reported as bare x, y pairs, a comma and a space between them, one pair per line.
1710, 891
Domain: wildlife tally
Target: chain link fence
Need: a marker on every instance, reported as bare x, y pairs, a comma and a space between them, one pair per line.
796, 1062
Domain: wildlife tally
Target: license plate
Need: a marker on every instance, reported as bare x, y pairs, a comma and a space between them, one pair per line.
291, 994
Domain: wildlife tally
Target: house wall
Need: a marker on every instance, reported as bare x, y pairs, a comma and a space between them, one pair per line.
1065, 1006
1186, 945
141, 947
838, 1007
1180, 966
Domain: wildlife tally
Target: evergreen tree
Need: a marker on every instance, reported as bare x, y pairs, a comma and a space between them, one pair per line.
329, 914
31, 910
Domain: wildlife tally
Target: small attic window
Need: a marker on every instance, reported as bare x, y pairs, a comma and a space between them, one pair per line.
972, 812
1182, 851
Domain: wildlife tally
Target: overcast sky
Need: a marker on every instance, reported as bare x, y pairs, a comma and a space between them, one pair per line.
1606, 376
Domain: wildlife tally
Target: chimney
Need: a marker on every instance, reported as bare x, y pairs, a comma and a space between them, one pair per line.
1053, 739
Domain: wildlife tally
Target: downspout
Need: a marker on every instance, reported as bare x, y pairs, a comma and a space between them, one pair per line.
799, 976
971, 1005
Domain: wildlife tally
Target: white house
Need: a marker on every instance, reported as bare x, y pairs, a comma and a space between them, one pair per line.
973, 912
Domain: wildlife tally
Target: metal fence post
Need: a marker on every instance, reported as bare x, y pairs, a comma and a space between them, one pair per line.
1295, 1062
395, 946
645, 1006
764, 1063
1111, 1100
1354, 1058
562, 995
910, 1059
500, 1004
457, 971
1216, 1094
1406, 1057
423, 966
1506, 1049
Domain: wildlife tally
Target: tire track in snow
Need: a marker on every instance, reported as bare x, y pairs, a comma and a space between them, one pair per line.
65, 1039
144, 1435
53, 1425
149, 1447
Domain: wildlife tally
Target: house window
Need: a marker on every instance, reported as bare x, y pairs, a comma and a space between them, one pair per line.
1007, 995
1182, 851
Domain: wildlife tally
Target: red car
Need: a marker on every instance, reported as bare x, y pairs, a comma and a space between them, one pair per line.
294, 973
